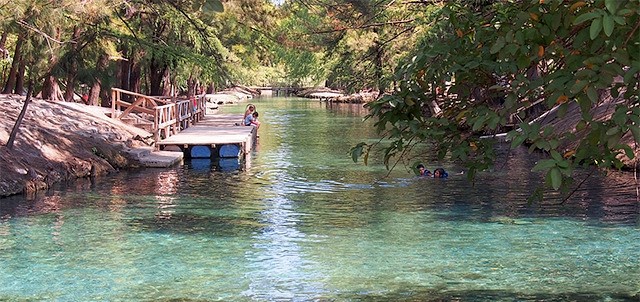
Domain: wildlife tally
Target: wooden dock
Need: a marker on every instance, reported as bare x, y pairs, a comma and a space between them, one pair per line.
212, 132
182, 125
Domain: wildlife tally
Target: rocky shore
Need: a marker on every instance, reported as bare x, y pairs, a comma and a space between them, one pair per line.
59, 141
336, 96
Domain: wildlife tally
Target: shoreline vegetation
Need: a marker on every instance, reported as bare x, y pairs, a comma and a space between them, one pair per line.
61, 141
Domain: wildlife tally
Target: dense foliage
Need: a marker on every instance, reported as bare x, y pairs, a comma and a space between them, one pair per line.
488, 65
152, 47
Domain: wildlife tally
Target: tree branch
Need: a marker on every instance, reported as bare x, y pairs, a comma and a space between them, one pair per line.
365, 26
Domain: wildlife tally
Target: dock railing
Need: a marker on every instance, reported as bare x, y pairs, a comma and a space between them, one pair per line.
162, 116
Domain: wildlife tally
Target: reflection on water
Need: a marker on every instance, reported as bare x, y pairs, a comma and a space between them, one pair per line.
302, 222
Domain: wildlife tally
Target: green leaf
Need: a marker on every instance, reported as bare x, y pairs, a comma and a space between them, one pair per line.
613, 131
636, 133
545, 31
614, 140
518, 140
523, 61
581, 125
620, 115
620, 20
556, 178
585, 17
556, 21
479, 123
512, 49
592, 94
356, 152
544, 164
628, 151
578, 86
213, 6
596, 27
556, 155
472, 64
585, 107
608, 25
612, 5
563, 164
497, 46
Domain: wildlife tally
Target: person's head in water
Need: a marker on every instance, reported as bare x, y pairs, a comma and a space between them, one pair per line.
440, 173
422, 171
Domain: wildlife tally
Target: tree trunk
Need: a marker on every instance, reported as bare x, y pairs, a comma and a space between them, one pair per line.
20, 77
96, 87
10, 85
94, 94
156, 74
124, 70
135, 78
379, 72
135, 71
16, 126
130, 74
166, 82
191, 86
211, 88
51, 89
72, 71
4, 53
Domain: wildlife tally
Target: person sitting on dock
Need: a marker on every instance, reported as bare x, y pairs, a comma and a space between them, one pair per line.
250, 109
252, 119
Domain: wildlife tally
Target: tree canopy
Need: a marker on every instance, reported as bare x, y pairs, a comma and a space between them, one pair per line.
487, 67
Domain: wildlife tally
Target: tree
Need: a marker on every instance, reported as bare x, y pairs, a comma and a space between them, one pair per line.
507, 62
353, 44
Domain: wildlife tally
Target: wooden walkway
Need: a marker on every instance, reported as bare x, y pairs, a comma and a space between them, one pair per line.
213, 131
182, 125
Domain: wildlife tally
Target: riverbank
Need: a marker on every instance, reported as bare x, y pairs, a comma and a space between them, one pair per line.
59, 141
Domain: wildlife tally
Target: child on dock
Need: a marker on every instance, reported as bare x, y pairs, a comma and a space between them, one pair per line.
251, 108
252, 119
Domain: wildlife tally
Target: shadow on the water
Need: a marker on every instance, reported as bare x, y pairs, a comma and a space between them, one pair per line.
431, 295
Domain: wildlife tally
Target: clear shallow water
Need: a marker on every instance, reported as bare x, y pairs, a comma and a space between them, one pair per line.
304, 223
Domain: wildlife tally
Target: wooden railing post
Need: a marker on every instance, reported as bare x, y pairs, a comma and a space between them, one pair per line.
176, 109
114, 101
156, 129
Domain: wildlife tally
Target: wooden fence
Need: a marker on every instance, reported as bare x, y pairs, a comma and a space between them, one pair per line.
162, 116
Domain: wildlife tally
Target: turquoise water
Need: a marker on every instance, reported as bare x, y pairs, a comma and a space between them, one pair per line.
302, 222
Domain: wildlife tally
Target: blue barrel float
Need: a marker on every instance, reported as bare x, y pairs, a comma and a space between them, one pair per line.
200, 164
229, 151
228, 164
200, 152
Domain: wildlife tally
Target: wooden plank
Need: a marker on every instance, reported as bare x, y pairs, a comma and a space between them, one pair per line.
214, 130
